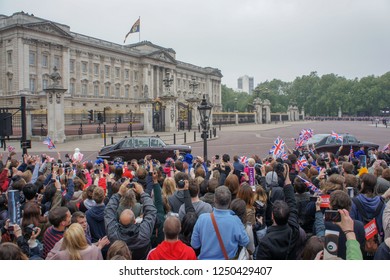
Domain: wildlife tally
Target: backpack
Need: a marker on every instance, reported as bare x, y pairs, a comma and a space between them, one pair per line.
373, 236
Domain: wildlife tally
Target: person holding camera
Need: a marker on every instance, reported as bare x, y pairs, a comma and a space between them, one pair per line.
95, 215
338, 200
199, 205
25, 238
136, 235
177, 199
282, 238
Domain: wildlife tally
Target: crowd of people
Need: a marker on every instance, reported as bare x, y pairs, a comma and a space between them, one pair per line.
188, 209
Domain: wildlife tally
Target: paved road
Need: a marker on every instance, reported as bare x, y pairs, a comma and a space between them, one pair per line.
241, 140
249, 140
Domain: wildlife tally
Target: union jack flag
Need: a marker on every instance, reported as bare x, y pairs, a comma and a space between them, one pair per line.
304, 135
49, 143
307, 133
244, 160
278, 148
284, 155
310, 185
299, 142
302, 162
337, 136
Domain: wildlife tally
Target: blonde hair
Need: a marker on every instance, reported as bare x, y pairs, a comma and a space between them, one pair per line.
169, 187
251, 162
74, 241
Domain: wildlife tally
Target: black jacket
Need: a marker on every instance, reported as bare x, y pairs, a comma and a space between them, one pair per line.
280, 242
136, 236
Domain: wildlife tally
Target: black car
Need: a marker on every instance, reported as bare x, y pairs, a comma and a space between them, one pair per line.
327, 143
138, 147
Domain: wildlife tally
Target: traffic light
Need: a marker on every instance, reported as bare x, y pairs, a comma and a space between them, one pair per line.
100, 117
90, 115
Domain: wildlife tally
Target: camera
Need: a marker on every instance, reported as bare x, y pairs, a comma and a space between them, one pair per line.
279, 168
97, 171
259, 208
130, 185
216, 156
326, 159
332, 216
181, 184
28, 231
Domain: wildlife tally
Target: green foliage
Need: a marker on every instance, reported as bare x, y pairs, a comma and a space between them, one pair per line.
320, 96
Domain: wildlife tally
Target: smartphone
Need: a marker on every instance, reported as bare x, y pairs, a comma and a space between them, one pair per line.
313, 198
332, 216
363, 160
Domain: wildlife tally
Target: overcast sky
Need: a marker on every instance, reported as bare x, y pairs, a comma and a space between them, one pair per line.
265, 39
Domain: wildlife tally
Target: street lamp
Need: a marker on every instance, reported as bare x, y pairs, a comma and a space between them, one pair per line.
236, 104
131, 123
204, 109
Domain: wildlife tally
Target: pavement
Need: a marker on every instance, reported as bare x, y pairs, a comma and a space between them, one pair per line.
95, 144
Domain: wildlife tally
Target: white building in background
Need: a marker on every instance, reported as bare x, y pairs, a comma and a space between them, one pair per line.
245, 84
96, 73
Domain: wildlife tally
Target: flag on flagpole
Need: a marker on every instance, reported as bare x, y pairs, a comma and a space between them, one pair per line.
134, 29
49, 143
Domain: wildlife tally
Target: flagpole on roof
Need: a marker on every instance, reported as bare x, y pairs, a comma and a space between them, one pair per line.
139, 33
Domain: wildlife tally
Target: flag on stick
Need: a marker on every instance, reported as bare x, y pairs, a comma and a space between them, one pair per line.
49, 143
310, 185
337, 136
135, 28
278, 148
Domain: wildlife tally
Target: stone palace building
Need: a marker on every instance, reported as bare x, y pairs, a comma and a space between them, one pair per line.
141, 79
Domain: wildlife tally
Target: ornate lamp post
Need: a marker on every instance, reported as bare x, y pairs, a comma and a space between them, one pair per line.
204, 109
131, 123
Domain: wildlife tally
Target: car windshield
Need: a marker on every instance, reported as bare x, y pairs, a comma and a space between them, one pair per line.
316, 138
155, 142
349, 139
332, 140
141, 142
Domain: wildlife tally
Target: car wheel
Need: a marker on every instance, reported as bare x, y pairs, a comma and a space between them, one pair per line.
118, 159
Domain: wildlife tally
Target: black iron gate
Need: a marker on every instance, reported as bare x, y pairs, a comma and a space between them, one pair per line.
263, 115
13, 125
158, 116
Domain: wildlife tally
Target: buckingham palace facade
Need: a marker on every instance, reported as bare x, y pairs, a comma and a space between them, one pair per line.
99, 74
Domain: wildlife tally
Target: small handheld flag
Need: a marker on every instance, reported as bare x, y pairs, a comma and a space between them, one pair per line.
310, 185
337, 136
278, 148
49, 143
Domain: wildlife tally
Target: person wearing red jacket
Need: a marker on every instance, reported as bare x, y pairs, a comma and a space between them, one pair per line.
172, 248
